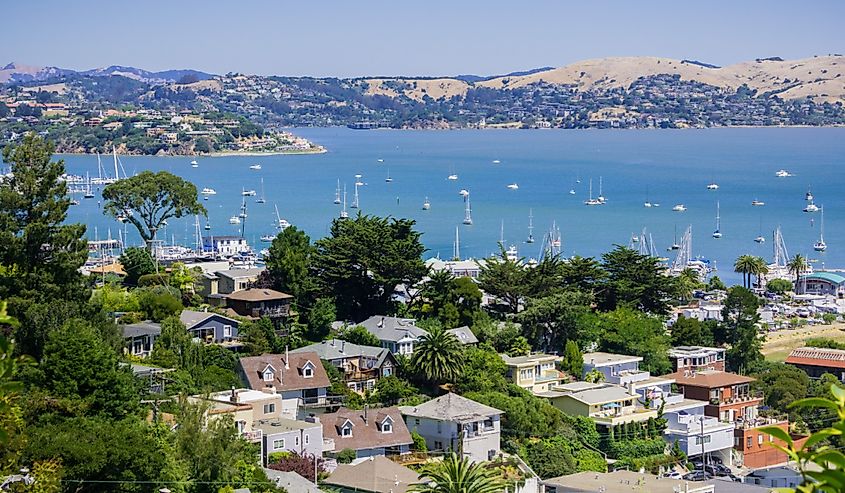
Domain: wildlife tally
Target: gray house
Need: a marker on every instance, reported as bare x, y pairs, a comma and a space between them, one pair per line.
452, 422
399, 335
139, 338
210, 327
362, 366
287, 435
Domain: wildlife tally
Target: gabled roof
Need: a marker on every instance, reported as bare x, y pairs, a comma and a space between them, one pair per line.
451, 407
365, 433
392, 328
141, 329
291, 481
375, 475
711, 379
813, 356
464, 335
334, 349
193, 318
258, 294
288, 374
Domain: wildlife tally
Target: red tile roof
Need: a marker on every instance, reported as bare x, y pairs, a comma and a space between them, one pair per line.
711, 379
811, 356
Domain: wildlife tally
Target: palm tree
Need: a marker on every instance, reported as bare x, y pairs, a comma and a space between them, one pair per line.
687, 283
458, 475
760, 270
745, 265
797, 265
438, 357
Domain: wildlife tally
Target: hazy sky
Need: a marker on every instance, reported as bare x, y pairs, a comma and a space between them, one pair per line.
423, 37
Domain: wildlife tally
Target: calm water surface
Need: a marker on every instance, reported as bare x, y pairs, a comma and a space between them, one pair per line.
666, 167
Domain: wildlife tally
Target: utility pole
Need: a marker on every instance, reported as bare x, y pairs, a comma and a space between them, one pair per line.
701, 420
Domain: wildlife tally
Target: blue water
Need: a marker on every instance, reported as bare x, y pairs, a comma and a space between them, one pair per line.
671, 166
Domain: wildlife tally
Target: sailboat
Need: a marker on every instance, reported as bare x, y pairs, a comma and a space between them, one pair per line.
647, 202
194, 164
600, 198
388, 179
88, 193
207, 224
261, 200
343, 213
718, 233
355, 204
281, 224
337, 193
426, 205
591, 200
530, 226
467, 212
760, 238
809, 195
820, 245
452, 175
757, 203
675, 244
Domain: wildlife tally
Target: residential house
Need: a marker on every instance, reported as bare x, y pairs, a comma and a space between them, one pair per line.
231, 280
697, 358
607, 404
226, 246
259, 302
458, 268
730, 400
453, 422
399, 335
622, 481
288, 435
775, 477
368, 432
374, 475
139, 338
822, 283
298, 376
624, 370
361, 366
291, 481
210, 327
266, 403
704, 312
464, 335
818, 361
536, 372
700, 435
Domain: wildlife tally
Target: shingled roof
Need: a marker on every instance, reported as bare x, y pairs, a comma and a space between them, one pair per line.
366, 431
451, 407
287, 371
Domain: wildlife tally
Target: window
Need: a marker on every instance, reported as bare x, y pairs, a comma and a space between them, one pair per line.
307, 437
771, 439
488, 424
346, 431
269, 408
387, 371
438, 445
227, 331
296, 441
268, 376
279, 444
416, 421
387, 427
307, 372
439, 427
748, 442
760, 439
706, 439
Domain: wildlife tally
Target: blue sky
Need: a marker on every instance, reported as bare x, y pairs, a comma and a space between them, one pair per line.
429, 37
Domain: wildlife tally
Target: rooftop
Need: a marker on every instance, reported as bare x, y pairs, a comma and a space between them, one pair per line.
602, 394
817, 356
291, 481
287, 371
623, 482
193, 318
708, 378
239, 273
337, 349
253, 294
831, 277
375, 474
392, 328
599, 359
693, 351
366, 432
281, 425
531, 359
141, 329
451, 407
464, 335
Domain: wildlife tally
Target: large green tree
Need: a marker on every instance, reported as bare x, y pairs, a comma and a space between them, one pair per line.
458, 475
289, 264
438, 357
634, 280
583, 274
40, 255
505, 279
627, 331
691, 332
739, 328
152, 198
136, 262
549, 322
363, 261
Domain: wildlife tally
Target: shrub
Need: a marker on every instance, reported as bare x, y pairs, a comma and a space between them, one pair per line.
779, 286
153, 280
346, 456
419, 444
631, 449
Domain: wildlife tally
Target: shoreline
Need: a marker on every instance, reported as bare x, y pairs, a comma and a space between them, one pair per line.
321, 150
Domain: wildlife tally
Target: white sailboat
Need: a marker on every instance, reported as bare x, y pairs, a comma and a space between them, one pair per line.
717, 233
355, 203
343, 213
426, 205
530, 226
675, 244
261, 199
757, 203
242, 215
195, 164
712, 186
388, 179
255, 167
811, 207
679, 208
647, 202
207, 224
809, 195
591, 200
600, 198
88, 193
760, 238
281, 224
820, 245
467, 212
337, 193
452, 175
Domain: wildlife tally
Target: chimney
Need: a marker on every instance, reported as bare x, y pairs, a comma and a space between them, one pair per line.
342, 346
287, 359
234, 397
381, 322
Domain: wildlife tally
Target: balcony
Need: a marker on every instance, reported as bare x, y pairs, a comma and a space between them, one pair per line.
252, 436
747, 424
321, 401
737, 399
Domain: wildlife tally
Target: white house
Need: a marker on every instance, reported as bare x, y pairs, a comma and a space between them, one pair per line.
452, 422
399, 335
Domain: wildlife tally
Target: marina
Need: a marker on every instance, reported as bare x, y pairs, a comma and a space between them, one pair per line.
668, 167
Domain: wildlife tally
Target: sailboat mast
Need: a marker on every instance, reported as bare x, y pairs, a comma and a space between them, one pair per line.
114, 154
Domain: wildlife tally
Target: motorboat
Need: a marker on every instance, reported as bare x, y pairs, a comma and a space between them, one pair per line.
811, 207
679, 208
255, 167
808, 196
195, 164
267, 238
757, 203
496, 161
234, 220
248, 193
452, 177
782, 173
712, 186
426, 205
208, 191
513, 186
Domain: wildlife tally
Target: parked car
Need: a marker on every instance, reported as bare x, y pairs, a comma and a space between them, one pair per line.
717, 469
672, 475
697, 476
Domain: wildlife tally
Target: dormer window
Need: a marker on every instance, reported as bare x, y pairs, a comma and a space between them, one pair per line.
387, 425
308, 370
268, 373
346, 431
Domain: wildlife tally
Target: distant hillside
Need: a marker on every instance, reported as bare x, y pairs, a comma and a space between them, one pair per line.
478, 78
15, 72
